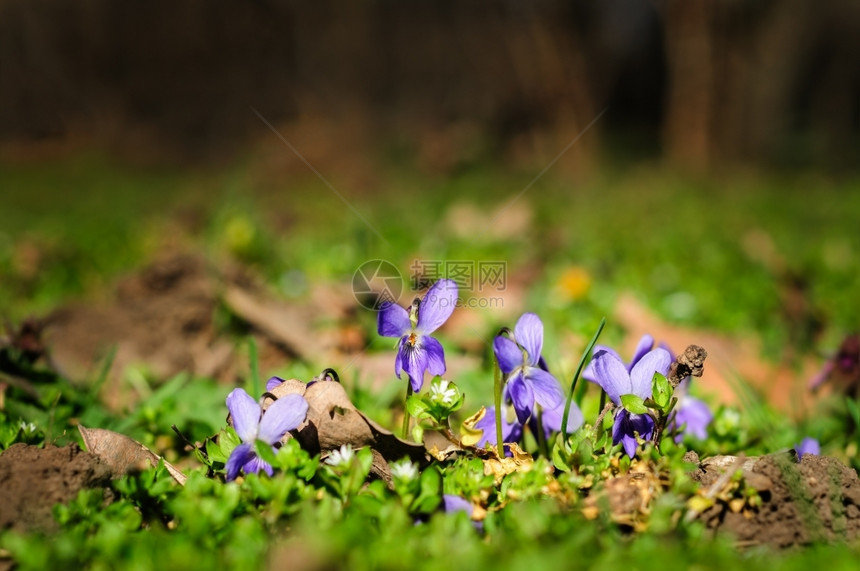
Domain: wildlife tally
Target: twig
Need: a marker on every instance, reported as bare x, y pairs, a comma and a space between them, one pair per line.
598, 424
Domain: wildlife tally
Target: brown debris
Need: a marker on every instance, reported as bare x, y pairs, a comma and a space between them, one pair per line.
627, 497
122, 454
689, 363
33, 480
817, 499
334, 421
161, 318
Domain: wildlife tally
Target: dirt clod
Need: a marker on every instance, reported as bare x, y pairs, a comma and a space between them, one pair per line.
817, 499
33, 480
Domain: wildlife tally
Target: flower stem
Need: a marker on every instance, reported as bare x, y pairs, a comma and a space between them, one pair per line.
497, 396
406, 416
604, 408
585, 354
541, 435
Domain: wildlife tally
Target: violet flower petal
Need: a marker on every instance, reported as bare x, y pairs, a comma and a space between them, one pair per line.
240, 456
546, 388
273, 382
612, 375
656, 360
626, 425
693, 417
509, 355
511, 431
589, 374
437, 306
245, 412
645, 344
393, 321
522, 397
529, 335
398, 357
435, 355
620, 435
283, 415
807, 446
414, 360
552, 417
454, 503
255, 464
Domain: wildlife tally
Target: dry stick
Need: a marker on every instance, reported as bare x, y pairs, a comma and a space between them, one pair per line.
598, 425
660, 426
690, 363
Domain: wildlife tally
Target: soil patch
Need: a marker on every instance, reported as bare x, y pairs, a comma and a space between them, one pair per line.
817, 499
33, 480
171, 316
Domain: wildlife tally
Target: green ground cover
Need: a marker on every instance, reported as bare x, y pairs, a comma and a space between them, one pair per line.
716, 255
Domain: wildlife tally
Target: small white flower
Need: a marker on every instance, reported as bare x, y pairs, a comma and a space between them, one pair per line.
28, 427
404, 470
342, 457
440, 392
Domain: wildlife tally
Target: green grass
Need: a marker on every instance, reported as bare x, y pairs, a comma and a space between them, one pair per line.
695, 251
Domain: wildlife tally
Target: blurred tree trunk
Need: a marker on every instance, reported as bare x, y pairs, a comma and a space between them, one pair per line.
688, 127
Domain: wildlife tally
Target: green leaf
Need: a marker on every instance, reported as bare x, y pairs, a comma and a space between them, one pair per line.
214, 452
634, 404
416, 406
561, 454
228, 440
430, 493
661, 390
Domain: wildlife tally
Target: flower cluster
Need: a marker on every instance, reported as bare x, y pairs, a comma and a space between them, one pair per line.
417, 352
528, 384
645, 402
691, 416
614, 377
519, 359
251, 425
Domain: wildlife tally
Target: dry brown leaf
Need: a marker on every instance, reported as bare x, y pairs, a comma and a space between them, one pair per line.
334, 421
520, 461
124, 455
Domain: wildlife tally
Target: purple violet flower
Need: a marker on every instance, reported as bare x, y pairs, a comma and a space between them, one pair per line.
807, 446
454, 503
612, 375
251, 424
646, 343
273, 382
511, 431
520, 363
417, 352
552, 417
692, 416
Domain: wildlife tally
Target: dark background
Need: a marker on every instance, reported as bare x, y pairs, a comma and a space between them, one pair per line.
701, 85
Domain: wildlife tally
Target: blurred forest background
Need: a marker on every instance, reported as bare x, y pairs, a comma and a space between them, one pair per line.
701, 85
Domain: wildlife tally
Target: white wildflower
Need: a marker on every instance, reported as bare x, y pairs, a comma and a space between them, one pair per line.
442, 392
404, 470
342, 457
